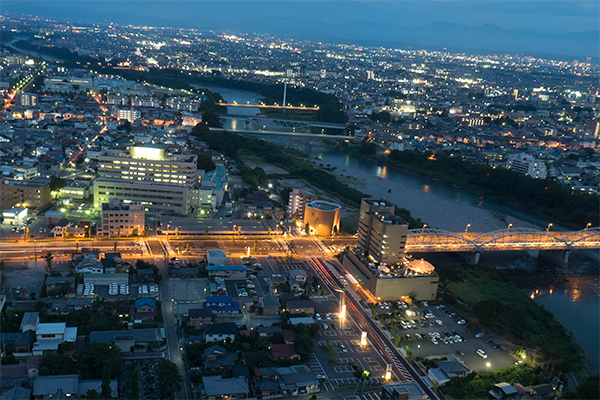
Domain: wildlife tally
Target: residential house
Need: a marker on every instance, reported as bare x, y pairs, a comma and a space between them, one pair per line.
447, 370
62, 283
298, 378
199, 316
30, 321
16, 393
270, 304
218, 332
215, 387
301, 307
289, 337
21, 341
47, 386
144, 309
268, 331
298, 275
75, 305
227, 271
222, 305
138, 340
217, 358
87, 263
503, 390
295, 286
50, 335
112, 262
283, 351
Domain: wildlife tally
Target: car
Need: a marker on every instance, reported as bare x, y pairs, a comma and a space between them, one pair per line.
434, 341
424, 304
327, 316
18, 290
450, 340
495, 346
444, 340
489, 341
343, 348
461, 322
252, 276
318, 316
418, 336
413, 324
481, 353
457, 338
408, 337
478, 335
321, 376
460, 352
269, 256
440, 323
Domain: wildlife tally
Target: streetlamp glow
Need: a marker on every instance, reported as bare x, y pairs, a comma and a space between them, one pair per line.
487, 364
549, 226
467, 228
588, 225
363, 339
343, 312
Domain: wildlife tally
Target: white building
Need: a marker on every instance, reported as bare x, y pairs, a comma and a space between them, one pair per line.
216, 257
121, 219
15, 216
147, 175
528, 165
298, 200
49, 336
127, 114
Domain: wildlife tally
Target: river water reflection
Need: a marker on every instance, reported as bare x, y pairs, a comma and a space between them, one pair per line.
575, 301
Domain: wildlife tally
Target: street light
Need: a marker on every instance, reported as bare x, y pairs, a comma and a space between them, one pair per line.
509, 225
548, 228
588, 225
467, 228
487, 364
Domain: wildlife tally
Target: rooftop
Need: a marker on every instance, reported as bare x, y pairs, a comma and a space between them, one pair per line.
323, 205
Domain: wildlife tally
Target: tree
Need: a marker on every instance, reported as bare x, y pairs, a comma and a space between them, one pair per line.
283, 287
169, 379
48, 258
57, 183
303, 345
307, 228
211, 119
106, 390
205, 162
134, 392
92, 394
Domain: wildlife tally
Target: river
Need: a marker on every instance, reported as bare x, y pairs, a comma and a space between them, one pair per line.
574, 300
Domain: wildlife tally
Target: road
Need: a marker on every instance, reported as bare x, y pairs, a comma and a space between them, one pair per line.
401, 367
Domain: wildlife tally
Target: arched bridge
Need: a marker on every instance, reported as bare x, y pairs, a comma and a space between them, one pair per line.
437, 240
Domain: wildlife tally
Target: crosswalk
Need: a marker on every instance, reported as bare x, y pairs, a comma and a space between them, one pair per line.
398, 364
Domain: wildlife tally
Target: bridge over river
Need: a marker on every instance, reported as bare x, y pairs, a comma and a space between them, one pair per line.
553, 245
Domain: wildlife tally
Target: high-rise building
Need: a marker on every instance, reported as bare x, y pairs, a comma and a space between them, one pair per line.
27, 99
148, 174
323, 217
130, 115
298, 200
381, 234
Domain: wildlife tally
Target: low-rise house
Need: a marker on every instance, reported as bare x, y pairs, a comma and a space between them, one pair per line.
138, 340
21, 341
75, 305
289, 337
296, 286
16, 393
144, 309
222, 305
447, 370
283, 351
270, 304
217, 358
215, 387
268, 331
227, 271
30, 321
298, 378
50, 335
47, 386
199, 316
63, 283
503, 390
301, 307
298, 275
218, 332
112, 262
87, 263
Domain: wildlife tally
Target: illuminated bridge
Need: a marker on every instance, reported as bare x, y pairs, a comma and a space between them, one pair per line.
555, 245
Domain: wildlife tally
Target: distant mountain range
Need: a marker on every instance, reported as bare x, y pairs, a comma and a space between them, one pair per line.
248, 17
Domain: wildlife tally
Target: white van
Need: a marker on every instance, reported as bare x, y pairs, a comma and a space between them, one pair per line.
481, 353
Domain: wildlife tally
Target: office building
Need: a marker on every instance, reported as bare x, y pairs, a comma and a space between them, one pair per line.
322, 217
148, 175
121, 219
33, 193
298, 200
381, 234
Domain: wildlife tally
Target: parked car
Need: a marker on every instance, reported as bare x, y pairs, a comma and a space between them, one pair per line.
479, 334
460, 352
481, 353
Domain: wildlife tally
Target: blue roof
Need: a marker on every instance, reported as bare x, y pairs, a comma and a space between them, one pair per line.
235, 306
145, 301
227, 268
218, 299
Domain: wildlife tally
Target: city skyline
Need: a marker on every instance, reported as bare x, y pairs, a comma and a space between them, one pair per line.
562, 28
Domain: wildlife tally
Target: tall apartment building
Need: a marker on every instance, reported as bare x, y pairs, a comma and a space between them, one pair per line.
129, 114
528, 165
149, 175
298, 201
121, 219
26, 99
33, 193
381, 234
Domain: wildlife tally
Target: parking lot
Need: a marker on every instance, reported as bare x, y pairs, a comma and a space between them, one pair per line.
496, 359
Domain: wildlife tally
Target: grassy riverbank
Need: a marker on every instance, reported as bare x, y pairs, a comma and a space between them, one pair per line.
497, 304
